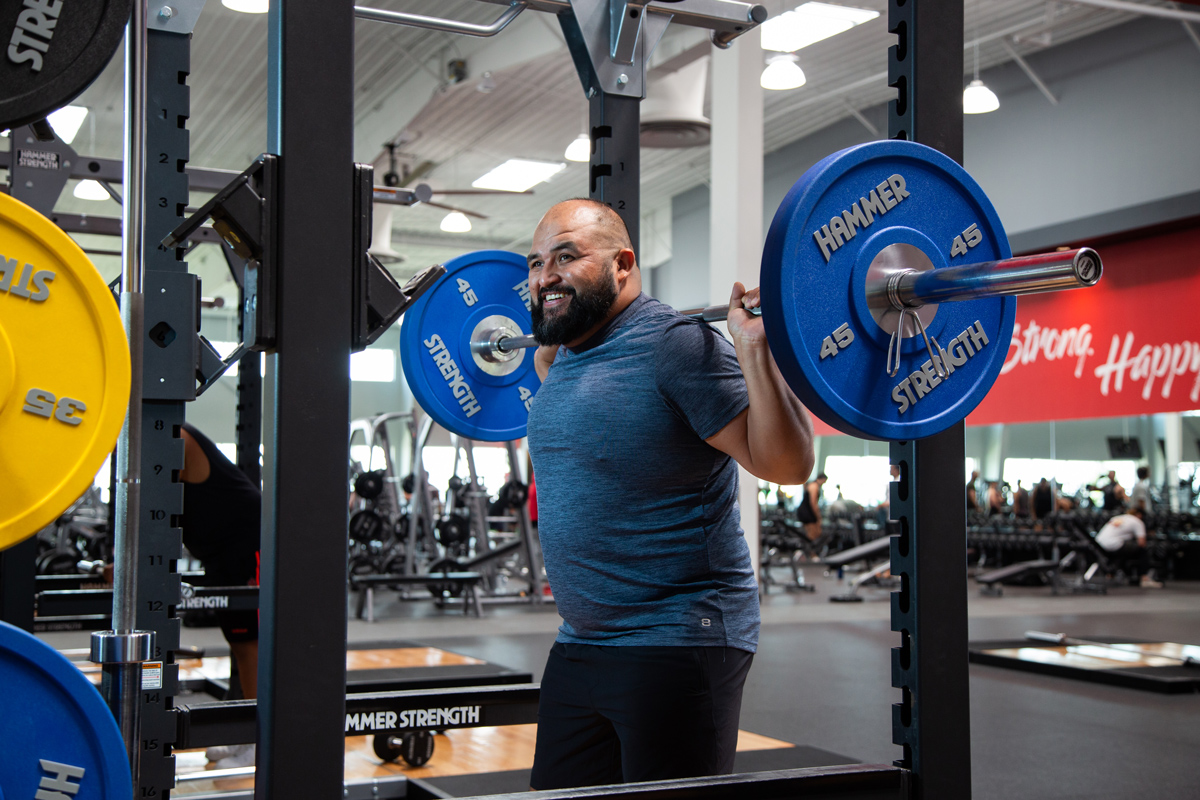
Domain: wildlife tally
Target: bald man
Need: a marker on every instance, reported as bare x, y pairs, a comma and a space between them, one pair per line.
636, 434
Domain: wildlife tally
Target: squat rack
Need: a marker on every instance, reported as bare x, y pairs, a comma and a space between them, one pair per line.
302, 699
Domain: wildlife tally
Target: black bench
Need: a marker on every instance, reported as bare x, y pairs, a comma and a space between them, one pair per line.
875, 547
466, 582
1046, 568
863, 551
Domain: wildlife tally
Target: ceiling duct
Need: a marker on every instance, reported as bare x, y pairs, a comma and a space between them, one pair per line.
381, 234
673, 111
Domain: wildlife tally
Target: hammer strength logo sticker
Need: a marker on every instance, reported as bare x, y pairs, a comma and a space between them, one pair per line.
416, 718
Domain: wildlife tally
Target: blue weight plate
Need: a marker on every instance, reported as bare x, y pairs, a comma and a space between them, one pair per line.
827, 233
447, 381
58, 734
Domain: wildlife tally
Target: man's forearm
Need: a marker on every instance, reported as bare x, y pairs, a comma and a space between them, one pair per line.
779, 431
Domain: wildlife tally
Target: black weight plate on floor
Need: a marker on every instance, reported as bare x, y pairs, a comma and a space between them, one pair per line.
381, 744
53, 51
417, 748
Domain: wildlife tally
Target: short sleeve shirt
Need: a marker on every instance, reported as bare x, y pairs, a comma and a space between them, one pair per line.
638, 515
1119, 530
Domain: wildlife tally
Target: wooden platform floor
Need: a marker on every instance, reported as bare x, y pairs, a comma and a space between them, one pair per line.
466, 751
218, 667
1119, 656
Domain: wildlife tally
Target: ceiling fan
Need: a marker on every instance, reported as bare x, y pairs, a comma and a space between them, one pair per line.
398, 179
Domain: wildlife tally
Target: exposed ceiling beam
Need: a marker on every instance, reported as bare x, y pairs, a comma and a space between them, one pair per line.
1141, 8
1033, 76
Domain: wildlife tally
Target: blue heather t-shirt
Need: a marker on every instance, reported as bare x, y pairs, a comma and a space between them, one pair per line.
638, 516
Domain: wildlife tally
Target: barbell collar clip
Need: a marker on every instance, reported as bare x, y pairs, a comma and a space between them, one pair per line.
110, 647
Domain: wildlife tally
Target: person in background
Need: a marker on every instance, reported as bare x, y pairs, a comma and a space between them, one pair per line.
222, 516
1140, 496
1124, 536
995, 498
1021, 505
1114, 492
972, 496
1043, 499
809, 510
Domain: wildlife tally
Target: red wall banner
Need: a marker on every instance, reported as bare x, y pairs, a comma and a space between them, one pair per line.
1128, 346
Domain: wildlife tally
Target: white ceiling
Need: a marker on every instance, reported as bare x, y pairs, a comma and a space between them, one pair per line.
536, 109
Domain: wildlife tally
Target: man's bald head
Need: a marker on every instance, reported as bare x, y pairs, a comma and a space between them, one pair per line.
608, 223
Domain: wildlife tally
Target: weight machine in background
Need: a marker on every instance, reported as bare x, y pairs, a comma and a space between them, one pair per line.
407, 538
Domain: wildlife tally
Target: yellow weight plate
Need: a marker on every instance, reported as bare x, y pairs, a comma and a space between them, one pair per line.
8, 368
64, 371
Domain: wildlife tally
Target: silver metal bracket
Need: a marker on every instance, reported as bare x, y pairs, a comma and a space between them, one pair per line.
173, 16
611, 41
626, 25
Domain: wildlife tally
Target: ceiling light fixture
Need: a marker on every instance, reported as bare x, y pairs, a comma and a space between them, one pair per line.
810, 23
782, 73
580, 149
66, 122
246, 6
977, 98
90, 190
519, 175
456, 222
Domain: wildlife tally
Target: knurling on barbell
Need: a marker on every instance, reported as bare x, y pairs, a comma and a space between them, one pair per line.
883, 249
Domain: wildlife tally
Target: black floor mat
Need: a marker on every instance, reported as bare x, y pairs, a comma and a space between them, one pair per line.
517, 780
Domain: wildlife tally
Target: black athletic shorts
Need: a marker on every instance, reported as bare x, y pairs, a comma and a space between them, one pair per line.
234, 569
624, 714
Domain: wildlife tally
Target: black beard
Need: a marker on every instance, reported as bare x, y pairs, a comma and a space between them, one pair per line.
584, 311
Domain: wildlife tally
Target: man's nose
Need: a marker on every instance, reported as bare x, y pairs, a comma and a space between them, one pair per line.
549, 276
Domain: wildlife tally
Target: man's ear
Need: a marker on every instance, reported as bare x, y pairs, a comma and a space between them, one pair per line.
625, 261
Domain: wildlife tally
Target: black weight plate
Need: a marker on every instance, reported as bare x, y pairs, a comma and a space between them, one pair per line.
365, 526
381, 744
443, 566
453, 530
53, 51
369, 485
417, 748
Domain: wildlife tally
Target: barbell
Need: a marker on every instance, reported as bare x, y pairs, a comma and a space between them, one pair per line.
888, 297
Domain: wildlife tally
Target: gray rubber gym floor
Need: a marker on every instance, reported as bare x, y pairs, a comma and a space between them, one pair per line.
822, 678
